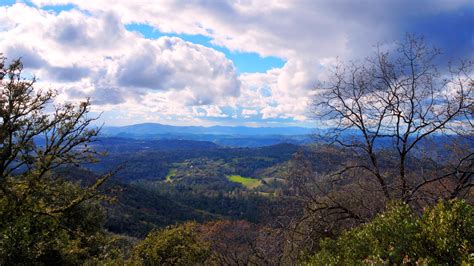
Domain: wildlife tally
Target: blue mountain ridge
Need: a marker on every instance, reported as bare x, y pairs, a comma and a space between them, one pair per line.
149, 129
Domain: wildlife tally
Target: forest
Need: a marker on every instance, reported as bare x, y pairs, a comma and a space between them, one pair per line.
389, 181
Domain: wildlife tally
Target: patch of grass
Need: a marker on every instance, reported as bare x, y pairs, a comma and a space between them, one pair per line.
170, 174
247, 182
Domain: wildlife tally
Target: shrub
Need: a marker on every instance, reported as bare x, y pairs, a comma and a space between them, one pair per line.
175, 245
443, 234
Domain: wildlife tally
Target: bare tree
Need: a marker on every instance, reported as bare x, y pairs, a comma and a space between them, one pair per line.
329, 204
387, 109
399, 129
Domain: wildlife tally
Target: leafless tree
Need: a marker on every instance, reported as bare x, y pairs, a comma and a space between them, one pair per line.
400, 128
242, 243
329, 205
389, 111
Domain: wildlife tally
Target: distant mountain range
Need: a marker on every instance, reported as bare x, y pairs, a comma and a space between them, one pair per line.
229, 136
148, 129
239, 136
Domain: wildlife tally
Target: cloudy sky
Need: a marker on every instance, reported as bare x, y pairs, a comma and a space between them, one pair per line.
247, 62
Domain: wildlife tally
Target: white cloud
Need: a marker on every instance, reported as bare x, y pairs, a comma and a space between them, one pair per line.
209, 111
87, 51
200, 75
287, 29
249, 112
94, 56
282, 93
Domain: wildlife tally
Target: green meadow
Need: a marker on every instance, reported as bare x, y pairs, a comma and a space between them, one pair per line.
247, 182
170, 174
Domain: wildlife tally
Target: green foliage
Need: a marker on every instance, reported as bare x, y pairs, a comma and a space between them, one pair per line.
447, 232
170, 174
44, 218
444, 234
28, 234
175, 245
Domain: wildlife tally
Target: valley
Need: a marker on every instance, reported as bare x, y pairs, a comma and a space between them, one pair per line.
162, 182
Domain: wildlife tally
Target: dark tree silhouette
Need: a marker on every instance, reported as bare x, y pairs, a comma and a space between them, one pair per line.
400, 127
386, 109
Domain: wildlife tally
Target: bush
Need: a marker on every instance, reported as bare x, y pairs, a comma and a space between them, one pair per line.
447, 233
175, 245
443, 234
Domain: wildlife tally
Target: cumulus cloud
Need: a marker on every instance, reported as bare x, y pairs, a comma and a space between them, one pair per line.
29, 56
204, 75
94, 56
291, 29
88, 51
209, 111
248, 113
283, 93
73, 30
72, 73
101, 95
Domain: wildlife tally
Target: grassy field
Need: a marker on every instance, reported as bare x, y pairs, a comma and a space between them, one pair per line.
247, 182
170, 174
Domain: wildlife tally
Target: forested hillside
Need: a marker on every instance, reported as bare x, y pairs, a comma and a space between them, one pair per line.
164, 182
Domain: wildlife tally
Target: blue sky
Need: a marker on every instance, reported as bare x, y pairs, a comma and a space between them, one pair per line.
202, 62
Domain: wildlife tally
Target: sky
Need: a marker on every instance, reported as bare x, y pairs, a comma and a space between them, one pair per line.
244, 62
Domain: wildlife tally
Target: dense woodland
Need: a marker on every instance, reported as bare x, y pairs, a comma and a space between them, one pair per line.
389, 183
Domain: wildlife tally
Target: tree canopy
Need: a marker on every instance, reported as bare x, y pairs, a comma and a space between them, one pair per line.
44, 217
